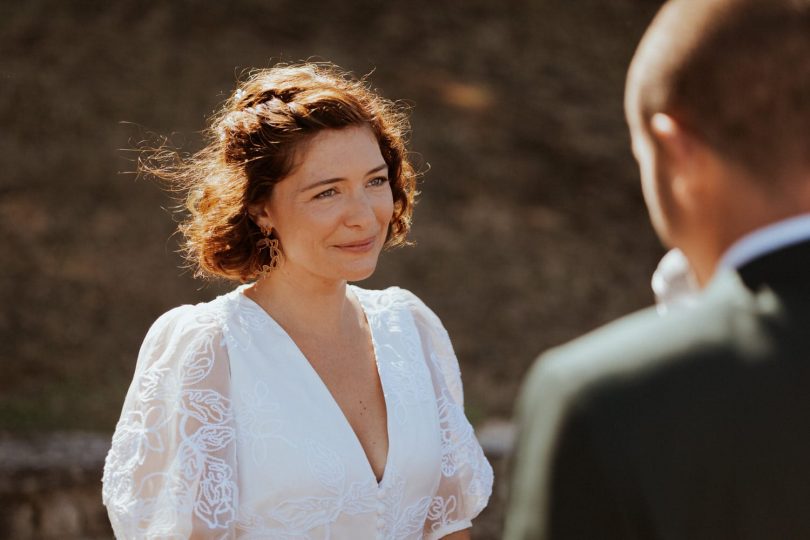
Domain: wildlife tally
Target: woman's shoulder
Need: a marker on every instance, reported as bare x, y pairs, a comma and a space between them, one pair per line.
194, 319
389, 298
388, 295
190, 334
393, 300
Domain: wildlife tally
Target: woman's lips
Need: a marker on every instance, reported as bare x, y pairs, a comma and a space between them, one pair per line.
360, 246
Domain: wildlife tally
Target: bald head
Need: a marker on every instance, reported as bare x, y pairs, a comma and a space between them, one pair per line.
734, 73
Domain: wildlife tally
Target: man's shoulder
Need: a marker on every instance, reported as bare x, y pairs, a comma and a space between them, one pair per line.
645, 345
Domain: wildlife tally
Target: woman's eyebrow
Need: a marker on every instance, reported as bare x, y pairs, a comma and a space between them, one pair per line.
333, 180
378, 168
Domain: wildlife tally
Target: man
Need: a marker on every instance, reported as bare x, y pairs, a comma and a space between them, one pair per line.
695, 424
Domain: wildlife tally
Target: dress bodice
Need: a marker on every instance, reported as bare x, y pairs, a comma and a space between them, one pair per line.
227, 431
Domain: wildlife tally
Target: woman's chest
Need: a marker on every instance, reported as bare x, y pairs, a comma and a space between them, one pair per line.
349, 372
302, 468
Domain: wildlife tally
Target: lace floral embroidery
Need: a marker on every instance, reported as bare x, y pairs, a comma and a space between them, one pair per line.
441, 509
295, 517
214, 382
259, 420
402, 522
171, 409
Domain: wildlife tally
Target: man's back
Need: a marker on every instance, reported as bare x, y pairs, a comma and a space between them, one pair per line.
693, 425
697, 424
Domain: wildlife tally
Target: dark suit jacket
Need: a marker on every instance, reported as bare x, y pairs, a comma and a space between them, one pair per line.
693, 425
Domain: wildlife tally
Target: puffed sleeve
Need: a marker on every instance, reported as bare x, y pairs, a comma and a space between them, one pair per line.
466, 481
171, 470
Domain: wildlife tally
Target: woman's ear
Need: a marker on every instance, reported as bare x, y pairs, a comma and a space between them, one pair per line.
260, 215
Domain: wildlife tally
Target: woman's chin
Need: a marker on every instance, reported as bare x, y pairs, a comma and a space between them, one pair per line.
360, 273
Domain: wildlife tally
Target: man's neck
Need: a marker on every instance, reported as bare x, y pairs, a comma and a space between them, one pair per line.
736, 243
772, 237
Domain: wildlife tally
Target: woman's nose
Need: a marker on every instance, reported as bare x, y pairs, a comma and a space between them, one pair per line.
360, 212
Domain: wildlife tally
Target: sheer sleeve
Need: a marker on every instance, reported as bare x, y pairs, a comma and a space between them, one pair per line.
171, 470
466, 481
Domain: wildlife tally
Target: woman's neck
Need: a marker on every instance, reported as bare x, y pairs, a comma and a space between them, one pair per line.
302, 302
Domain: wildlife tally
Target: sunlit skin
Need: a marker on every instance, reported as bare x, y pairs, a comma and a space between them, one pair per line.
701, 202
332, 213
644, 154
689, 192
459, 535
331, 216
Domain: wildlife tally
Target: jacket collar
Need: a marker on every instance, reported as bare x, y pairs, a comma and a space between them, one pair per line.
789, 264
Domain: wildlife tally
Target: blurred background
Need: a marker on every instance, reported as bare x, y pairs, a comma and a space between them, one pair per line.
530, 229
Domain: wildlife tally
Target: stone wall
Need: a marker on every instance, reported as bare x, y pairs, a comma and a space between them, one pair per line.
50, 485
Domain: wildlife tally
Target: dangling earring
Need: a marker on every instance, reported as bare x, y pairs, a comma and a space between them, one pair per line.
270, 244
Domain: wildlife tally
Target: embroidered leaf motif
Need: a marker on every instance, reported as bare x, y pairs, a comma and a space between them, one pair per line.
327, 466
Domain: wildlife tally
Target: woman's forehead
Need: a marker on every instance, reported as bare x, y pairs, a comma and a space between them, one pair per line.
339, 153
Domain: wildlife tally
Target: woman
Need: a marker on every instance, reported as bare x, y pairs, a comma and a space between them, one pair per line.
297, 406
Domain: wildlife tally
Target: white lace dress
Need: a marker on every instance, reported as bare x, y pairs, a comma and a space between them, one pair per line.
228, 432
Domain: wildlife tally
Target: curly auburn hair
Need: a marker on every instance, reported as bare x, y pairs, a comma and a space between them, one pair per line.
251, 146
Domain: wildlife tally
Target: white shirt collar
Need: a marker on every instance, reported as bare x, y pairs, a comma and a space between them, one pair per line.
766, 239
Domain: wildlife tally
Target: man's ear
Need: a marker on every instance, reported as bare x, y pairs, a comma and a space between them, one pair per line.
681, 158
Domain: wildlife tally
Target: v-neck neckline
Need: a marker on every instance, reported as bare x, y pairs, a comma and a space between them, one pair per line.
357, 292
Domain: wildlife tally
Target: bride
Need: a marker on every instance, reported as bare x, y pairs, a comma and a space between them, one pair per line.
297, 406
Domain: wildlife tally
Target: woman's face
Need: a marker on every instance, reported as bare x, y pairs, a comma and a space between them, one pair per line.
331, 215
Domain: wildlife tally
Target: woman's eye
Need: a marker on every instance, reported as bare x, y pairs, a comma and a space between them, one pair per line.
380, 180
326, 194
